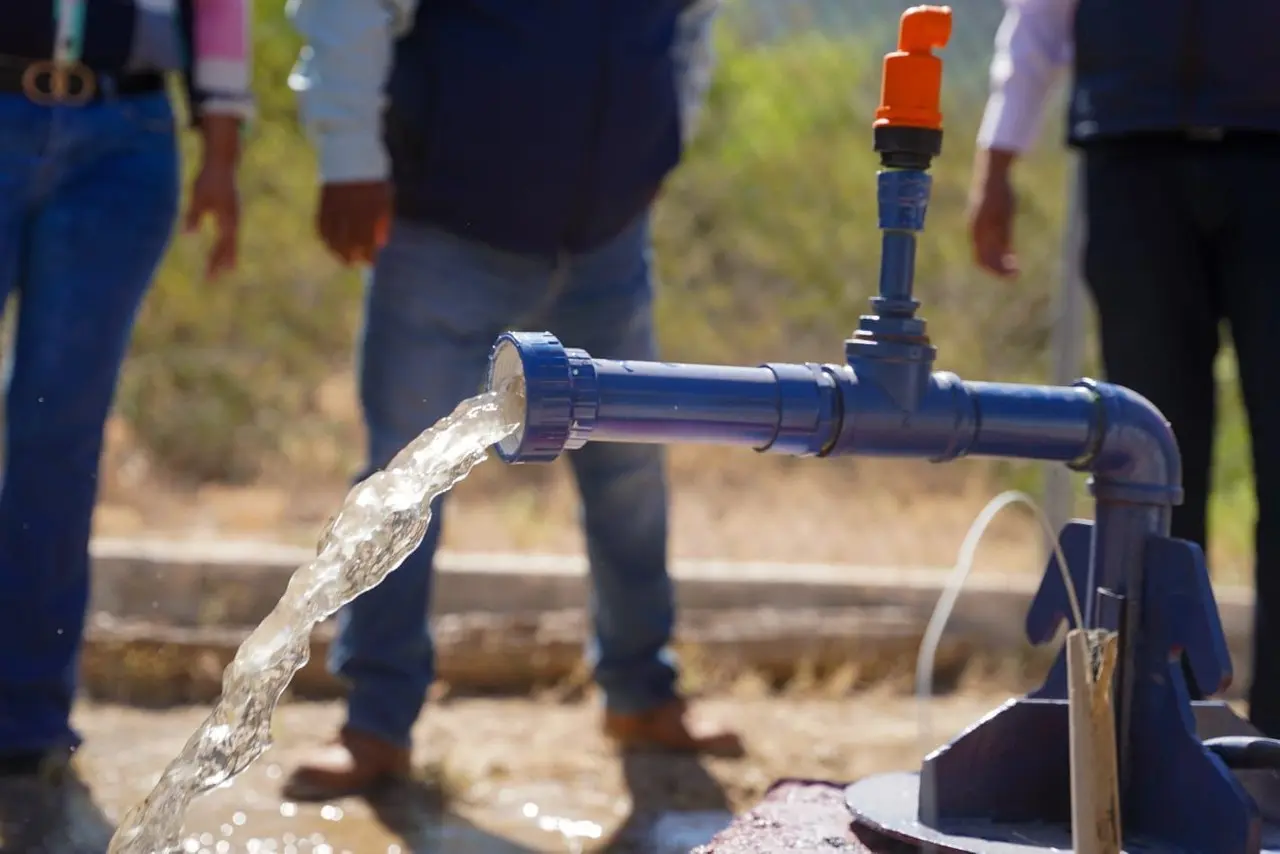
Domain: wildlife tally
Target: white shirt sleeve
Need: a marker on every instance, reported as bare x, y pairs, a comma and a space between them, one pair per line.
1033, 47
694, 56
340, 78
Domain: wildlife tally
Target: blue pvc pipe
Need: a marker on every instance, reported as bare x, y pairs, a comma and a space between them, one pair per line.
571, 398
897, 265
793, 409
659, 402
829, 410
902, 197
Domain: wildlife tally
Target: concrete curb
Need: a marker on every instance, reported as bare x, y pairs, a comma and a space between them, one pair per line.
225, 586
150, 664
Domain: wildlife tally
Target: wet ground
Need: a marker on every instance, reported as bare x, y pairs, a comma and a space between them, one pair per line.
505, 776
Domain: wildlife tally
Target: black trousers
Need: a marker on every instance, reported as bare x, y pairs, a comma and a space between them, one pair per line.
1183, 236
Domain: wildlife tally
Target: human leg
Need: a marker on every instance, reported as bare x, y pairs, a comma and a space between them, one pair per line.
606, 308
97, 223
1148, 269
21, 139
434, 306
1248, 271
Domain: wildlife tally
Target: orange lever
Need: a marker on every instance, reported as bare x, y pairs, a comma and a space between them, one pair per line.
912, 84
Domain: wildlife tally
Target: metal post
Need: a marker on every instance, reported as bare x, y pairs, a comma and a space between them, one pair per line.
1068, 338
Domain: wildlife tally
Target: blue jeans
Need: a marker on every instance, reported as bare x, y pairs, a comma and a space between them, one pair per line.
435, 304
88, 197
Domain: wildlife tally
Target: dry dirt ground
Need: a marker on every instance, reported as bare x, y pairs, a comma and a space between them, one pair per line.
531, 774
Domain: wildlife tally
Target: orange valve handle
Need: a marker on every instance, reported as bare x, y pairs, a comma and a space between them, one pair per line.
912, 84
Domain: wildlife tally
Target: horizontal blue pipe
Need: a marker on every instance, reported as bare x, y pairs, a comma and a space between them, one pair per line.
825, 410
663, 403
897, 266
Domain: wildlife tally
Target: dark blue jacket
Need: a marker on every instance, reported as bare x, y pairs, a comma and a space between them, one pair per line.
1167, 65
534, 125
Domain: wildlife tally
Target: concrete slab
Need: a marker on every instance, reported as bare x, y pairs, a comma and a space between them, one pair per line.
201, 583
225, 582
144, 663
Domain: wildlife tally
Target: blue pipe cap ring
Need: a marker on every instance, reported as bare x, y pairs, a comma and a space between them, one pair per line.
555, 387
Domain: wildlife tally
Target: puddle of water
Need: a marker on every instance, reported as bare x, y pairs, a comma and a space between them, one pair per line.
381, 522
250, 818
679, 833
334, 830
580, 820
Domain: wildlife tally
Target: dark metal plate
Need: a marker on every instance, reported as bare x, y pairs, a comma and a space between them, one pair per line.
888, 803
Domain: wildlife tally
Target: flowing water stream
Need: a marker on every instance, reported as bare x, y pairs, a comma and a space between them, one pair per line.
382, 521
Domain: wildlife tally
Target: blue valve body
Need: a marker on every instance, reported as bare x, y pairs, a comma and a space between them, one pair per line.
1011, 767
1126, 571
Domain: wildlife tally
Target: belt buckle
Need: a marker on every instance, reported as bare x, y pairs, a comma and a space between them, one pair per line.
51, 83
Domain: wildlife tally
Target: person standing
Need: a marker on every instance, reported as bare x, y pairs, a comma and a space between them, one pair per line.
509, 154
1175, 111
89, 191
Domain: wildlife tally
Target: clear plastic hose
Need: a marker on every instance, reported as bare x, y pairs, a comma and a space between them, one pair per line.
955, 583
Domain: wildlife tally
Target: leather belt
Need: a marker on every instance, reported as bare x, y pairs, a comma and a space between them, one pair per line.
49, 83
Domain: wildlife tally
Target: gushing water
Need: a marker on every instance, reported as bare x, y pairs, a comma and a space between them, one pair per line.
382, 521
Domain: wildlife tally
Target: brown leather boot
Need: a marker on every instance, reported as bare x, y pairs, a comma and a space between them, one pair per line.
355, 764
666, 728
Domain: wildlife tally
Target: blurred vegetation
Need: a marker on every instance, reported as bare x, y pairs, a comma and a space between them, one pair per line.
224, 376
768, 238
767, 245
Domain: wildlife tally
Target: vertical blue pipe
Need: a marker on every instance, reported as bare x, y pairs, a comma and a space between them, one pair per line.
890, 348
903, 200
1120, 534
897, 269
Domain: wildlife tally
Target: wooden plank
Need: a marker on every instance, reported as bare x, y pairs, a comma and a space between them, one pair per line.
1095, 788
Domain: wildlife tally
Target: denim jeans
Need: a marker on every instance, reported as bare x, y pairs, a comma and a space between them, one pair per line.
88, 196
435, 304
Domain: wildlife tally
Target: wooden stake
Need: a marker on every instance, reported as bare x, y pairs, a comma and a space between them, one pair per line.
1095, 783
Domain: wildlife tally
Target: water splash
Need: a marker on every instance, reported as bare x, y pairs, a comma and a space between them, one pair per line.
382, 521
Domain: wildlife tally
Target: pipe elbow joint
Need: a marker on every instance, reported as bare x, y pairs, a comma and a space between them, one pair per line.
1135, 457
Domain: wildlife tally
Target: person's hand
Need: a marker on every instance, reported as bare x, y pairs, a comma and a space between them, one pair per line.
991, 209
354, 218
214, 194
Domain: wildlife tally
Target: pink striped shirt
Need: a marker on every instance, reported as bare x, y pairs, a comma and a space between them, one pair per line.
223, 56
